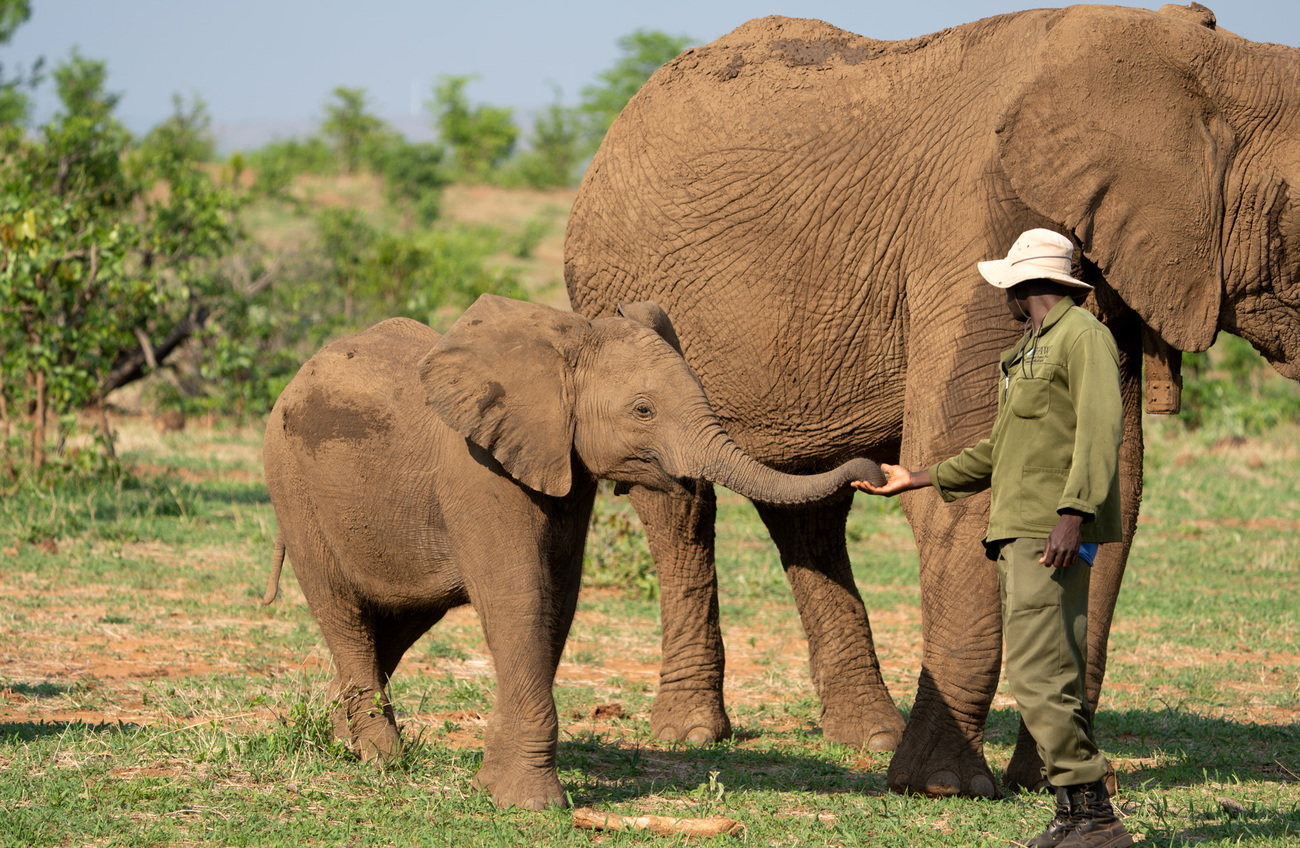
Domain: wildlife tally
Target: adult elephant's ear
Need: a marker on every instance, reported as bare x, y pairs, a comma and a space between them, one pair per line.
1117, 142
502, 378
647, 313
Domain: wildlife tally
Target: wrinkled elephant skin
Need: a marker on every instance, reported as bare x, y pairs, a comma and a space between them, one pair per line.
412, 472
810, 204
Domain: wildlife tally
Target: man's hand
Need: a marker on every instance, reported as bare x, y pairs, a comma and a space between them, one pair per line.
1063, 545
897, 479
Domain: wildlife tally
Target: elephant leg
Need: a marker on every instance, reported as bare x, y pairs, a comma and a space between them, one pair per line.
688, 706
526, 627
856, 706
1024, 771
942, 750
362, 714
365, 716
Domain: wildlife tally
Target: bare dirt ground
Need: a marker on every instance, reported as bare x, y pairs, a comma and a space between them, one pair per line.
157, 664
115, 663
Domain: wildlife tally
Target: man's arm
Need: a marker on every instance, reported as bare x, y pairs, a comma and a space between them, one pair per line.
1099, 422
964, 474
897, 479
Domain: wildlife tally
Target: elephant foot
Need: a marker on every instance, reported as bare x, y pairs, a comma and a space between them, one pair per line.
694, 716
526, 789
877, 727
368, 729
384, 746
1024, 773
940, 768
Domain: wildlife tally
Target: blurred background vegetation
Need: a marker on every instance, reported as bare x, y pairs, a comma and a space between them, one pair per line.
153, 274
153, 269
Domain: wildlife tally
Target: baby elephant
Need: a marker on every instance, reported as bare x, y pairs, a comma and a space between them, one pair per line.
412, 473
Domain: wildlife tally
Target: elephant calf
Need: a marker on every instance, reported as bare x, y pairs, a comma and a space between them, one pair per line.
412, 473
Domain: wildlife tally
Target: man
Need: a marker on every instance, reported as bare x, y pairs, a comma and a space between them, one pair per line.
1051, 465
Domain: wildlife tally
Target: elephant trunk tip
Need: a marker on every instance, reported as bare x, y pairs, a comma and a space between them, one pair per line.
864, 469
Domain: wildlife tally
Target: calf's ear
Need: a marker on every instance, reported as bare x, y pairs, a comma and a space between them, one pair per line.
502, 377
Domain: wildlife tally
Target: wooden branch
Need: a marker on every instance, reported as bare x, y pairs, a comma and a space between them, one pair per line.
264, 281
147, 349
65, 166
586, 817
131, 366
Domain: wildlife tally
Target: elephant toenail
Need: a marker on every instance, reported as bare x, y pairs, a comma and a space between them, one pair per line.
700, 736
982, 787
942, 784
885, 741
668, 734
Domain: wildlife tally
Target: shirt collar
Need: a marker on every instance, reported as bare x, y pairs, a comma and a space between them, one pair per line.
1055, 313
1010, 357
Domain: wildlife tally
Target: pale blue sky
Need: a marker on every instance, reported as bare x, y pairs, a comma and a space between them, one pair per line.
274, 62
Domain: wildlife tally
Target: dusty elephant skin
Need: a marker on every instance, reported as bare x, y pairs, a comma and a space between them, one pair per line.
411, 473
810, 204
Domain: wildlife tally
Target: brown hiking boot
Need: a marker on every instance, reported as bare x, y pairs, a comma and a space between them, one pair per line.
1059, 827
1093, 823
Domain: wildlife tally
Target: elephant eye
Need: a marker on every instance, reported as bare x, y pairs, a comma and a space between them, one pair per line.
643, 410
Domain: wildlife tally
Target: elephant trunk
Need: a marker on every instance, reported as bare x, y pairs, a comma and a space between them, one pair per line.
726, 464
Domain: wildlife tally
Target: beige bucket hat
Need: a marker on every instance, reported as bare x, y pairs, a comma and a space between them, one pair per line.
1037, 255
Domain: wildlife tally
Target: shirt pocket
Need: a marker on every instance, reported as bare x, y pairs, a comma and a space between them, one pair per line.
1031, 397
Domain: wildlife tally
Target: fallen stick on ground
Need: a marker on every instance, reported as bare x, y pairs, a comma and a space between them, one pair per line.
586, 817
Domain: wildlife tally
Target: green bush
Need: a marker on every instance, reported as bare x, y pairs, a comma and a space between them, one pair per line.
414, 177
617, 555
275, 165
111, 256
481, 137
1231, 390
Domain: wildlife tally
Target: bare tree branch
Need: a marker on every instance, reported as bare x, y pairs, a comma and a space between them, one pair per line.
132, 366
150, 359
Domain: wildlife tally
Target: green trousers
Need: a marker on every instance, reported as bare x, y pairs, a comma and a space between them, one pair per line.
1045, 644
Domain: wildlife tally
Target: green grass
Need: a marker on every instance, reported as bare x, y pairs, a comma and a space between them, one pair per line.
147, 698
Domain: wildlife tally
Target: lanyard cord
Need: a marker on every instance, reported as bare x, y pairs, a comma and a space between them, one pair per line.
1028, 347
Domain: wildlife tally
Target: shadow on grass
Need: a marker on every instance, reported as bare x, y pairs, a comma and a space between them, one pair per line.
37, 691
13, 733
1172, 747
619, 770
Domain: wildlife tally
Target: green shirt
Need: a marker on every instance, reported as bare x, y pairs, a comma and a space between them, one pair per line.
1055, 443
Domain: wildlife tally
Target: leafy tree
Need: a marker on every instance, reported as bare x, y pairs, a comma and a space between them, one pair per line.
349, 127
108, 258
482, 136
554, 148
276, 164
80, 85
643, 52
187, 133
414, 177
14, 101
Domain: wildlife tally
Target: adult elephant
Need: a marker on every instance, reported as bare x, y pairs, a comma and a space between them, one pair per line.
810, 204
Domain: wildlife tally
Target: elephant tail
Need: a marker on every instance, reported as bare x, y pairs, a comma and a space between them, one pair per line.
277, 564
